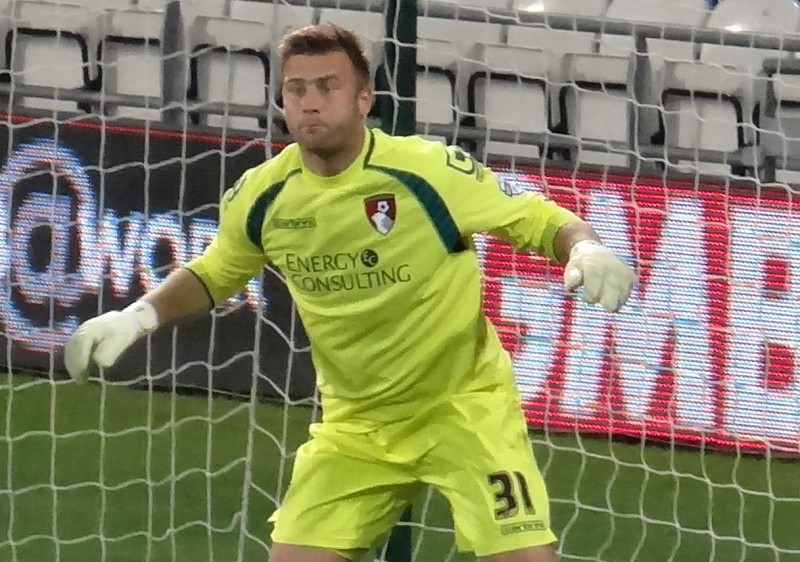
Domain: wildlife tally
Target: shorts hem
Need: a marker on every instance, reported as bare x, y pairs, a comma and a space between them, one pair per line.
529, 542
322, 542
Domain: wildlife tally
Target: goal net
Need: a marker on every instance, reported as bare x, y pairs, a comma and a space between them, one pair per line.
670, 431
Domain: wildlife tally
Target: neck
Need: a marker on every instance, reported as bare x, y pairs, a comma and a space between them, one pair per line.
324, 163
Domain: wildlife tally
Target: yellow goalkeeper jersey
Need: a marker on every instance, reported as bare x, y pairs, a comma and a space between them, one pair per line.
379, 262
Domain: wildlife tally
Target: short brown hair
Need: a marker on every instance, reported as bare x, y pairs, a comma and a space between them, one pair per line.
326, 38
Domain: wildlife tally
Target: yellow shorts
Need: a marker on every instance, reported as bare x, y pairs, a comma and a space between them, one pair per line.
348, 489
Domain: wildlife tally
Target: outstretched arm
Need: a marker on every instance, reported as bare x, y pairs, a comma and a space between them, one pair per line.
179, 296
531, 222
103, 339
224, 268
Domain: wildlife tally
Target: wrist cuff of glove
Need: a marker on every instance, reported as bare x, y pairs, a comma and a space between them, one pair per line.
145, 314
583, 244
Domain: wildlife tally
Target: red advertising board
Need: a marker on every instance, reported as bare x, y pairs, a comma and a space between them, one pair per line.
705, 350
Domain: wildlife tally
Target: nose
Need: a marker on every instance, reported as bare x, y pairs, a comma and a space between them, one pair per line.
311, 101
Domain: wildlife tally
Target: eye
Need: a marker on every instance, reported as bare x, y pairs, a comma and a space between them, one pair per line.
326, 85
295, 89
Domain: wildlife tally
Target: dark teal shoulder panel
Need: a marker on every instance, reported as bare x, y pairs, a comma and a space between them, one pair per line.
433, 204
257, 213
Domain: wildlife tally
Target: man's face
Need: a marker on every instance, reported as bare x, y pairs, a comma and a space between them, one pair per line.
324, 104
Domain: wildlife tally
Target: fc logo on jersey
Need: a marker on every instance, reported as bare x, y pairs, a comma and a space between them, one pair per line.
381, 212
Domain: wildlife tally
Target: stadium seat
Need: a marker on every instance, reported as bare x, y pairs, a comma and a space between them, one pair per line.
711, 103
589, 96
424, 5
556, 43
288, 16
780, 123
596, 106
118, 4
52, 45
230, 63
507, 91
191, 9
100, 5
445, 47
130, 58
691, 13
228, 52
437, 62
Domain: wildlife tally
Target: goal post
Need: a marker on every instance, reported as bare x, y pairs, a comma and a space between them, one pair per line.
669, 431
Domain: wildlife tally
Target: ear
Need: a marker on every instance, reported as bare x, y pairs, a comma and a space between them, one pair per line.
366, 97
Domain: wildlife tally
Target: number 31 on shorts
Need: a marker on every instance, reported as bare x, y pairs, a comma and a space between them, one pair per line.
510, 489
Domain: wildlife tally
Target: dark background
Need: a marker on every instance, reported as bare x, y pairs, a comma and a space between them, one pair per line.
149, 170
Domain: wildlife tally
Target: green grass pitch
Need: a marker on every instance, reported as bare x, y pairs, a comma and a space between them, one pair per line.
119, 474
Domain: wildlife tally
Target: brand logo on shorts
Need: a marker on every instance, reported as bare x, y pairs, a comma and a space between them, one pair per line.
381, 212
522, 527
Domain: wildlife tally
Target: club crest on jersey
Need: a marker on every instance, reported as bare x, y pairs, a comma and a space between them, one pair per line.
381, 212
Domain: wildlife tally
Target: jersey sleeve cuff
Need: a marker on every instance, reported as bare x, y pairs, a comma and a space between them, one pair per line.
560, 218
196, 269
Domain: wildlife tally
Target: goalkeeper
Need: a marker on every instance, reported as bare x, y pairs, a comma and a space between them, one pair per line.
372, 233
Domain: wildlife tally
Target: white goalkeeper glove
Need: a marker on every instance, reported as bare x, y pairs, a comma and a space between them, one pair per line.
105, 338
605, 277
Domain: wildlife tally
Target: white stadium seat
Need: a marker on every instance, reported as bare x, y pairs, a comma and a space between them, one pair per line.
464, 34
253, 54
781, 130
709, 104
191, 9
436, 81
468, 3
589, 94
156, 5
596, 105
369, 26
444, 48
54, 46
130, 57
286, 17
692, 13
507, 92
232, 58
556, 42
99, 5
230, 63
767, 16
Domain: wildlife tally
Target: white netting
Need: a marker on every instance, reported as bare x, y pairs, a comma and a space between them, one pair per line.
669, 125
